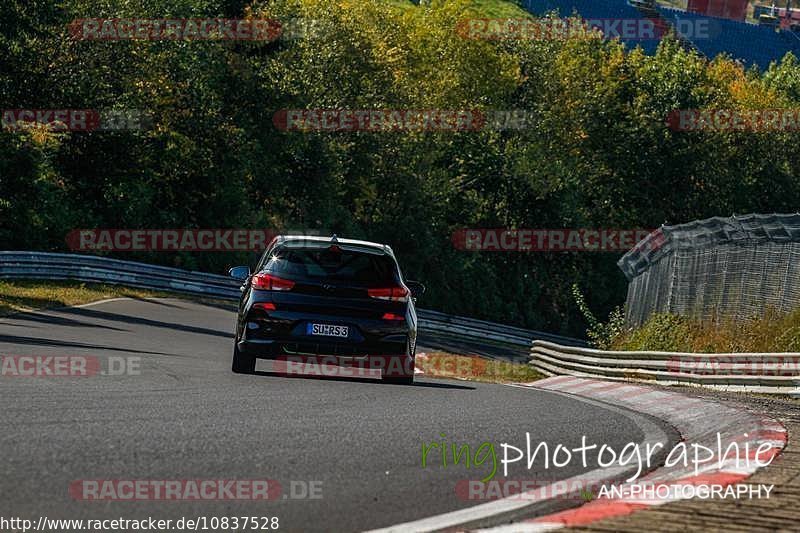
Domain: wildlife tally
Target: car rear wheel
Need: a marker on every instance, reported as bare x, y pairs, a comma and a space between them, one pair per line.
401, 380
390, 374
242, 364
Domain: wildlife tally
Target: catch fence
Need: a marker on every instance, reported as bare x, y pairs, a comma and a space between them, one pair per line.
720, 268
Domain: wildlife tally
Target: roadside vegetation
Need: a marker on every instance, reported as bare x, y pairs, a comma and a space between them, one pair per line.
598, 154
32, 295
664, 332
474, 368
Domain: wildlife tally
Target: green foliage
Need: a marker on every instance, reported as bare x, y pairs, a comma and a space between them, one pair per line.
775, 332
601, 334
661, 333
599, 156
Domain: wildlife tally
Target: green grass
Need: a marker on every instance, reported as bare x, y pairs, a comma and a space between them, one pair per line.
473, 368
30, 295
499, 9
483, 8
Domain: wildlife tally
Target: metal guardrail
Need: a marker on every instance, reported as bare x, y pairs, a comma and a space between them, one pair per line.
479, 329
96, 269
52, 266
767, 373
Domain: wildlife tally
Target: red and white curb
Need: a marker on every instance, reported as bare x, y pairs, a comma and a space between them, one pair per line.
558, 492
697, 420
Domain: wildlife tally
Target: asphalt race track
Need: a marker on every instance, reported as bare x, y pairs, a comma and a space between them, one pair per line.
184, 415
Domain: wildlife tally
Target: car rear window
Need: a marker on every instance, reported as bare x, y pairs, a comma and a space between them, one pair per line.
326, 263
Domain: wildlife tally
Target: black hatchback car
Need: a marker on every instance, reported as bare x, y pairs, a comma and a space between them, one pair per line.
338, 304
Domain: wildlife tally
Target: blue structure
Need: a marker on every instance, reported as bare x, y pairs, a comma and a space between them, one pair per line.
749, 43
594, 9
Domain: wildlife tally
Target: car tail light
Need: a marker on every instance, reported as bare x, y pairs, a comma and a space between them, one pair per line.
392, 316
266, 306
394, 294
268, 282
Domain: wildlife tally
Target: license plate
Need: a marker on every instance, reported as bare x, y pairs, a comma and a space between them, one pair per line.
327, 330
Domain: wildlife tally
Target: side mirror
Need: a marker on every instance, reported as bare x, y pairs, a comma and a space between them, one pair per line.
417, 289
241, 272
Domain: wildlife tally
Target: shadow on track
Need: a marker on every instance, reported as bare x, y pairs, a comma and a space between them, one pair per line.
61, 321
116, 317
374, 381
29, 341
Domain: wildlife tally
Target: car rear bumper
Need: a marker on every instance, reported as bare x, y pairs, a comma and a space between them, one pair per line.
390, 359
274, 348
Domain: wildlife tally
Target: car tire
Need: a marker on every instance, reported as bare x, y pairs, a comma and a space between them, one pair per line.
242, 364
401, 380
